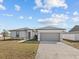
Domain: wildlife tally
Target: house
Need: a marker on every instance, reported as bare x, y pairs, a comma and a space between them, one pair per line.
47, 33
75, 29
73, 34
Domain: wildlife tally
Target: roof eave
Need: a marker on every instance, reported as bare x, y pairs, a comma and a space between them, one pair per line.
50, 29
20, 30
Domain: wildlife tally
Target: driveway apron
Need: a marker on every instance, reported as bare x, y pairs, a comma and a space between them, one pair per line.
56, 50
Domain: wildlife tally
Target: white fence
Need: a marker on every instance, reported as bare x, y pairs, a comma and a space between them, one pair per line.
74, 37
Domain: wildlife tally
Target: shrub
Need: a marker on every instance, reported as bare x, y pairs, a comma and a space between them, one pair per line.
35, 38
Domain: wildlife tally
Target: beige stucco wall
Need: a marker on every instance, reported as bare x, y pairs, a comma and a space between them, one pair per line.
31, 32
22, 34
54, 31
77, 37
13, 34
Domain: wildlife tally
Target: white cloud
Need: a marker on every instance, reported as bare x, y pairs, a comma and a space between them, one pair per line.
17, 7
21, 17
38, 3
2, 7
75, 16
45, 11
61, 20
25, 17
7, 14
55, 19
49, 4
29, 17
75, 13
1, 1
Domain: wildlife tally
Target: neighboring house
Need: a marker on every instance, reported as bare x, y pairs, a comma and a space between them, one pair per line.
44, 33
75, 29
73, 34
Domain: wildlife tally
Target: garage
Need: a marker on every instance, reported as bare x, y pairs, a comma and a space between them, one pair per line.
49, 36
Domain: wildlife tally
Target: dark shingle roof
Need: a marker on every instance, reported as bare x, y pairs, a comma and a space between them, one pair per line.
75, 28
50, 28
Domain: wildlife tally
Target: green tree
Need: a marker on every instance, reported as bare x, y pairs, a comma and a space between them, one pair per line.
4, 33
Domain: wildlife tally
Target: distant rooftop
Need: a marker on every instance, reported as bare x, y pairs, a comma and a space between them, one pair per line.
75, 28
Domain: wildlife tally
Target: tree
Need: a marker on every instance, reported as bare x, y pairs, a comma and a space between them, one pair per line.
4, 33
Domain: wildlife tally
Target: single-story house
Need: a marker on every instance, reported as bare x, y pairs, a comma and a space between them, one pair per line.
73, 34
47, 33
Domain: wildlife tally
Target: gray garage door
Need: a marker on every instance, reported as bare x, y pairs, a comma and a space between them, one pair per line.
49, 36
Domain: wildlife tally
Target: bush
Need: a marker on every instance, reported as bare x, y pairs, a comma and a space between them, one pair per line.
35, 38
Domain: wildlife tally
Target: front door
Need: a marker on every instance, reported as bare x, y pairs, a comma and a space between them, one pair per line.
29, 35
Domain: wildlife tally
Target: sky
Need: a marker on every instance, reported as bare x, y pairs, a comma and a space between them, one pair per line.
38, 13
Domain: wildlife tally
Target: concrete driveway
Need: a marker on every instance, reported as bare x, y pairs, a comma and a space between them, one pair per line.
56, 50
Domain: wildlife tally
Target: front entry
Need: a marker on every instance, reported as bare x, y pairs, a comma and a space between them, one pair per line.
29, 35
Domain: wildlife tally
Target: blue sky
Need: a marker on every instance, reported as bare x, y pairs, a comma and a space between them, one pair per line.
37, 13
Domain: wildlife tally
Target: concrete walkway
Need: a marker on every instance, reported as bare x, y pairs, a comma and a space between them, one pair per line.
56, 50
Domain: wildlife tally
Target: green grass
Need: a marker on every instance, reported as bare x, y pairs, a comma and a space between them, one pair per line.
14, 50
74, 44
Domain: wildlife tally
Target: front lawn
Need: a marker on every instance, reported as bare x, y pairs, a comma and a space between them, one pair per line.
74, 44
14, 50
